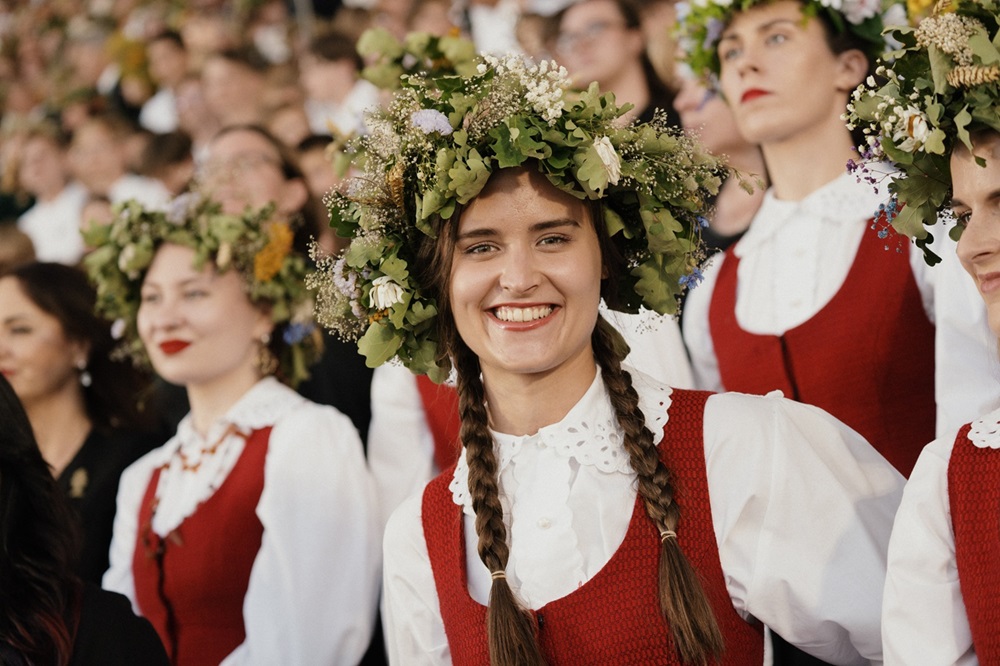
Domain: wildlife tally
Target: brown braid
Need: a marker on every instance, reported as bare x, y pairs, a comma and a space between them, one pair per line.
511, 630
682, 598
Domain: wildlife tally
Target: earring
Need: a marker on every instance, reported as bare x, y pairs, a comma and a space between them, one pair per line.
266, 362
85, 378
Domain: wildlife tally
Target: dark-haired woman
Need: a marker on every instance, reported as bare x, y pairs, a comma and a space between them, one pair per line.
595, 515
809, 301
84, 407
48, 616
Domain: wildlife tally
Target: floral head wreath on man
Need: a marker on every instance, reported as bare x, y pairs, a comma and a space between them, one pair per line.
703, 21
255, 245
942, 84
434, 148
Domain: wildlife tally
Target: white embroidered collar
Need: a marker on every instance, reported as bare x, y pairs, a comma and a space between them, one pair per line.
589, 433
985, 433
193, 467
842, 201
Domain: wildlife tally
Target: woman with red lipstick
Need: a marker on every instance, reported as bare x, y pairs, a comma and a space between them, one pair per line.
595, 515
216, 303
942, 584
809, 301
84, 407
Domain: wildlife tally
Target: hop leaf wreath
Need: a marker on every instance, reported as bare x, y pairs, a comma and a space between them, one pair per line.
701, 23
435, 147
258, 247
941, 84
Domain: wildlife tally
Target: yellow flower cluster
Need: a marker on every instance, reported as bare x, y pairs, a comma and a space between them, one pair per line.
267, 263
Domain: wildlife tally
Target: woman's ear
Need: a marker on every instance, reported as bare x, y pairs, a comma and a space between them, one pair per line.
852, 69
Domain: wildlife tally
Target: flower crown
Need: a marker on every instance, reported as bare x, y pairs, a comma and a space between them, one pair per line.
701, 23
435, 147
254, 245
943, 83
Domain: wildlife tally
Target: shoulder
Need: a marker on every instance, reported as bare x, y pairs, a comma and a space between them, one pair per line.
110, 633
307, 422
403, 540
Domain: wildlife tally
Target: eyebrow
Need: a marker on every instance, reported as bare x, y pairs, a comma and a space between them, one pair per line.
485, 232
728, 35
182, 283
13, 318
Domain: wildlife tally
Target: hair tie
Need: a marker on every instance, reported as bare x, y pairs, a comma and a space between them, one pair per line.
497, 575
667, 534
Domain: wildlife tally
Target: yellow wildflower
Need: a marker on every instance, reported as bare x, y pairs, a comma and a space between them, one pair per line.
267, 263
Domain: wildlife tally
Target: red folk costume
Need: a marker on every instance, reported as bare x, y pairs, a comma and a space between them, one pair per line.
847, 359
615, 617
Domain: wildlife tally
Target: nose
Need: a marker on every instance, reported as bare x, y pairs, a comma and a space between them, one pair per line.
519, 275
977, 242
163, 315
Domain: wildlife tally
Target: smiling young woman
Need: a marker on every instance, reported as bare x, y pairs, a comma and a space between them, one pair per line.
591, 517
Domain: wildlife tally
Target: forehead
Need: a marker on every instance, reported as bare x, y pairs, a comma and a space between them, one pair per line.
174, 263
760, 15
520, 196
15, 301
590, 11
241, 142
970, 179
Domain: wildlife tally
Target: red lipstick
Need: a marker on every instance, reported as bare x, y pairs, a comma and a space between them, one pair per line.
171, 347
753, 94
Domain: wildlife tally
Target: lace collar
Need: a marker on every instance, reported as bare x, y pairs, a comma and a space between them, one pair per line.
842, 201
589, 434
985, 433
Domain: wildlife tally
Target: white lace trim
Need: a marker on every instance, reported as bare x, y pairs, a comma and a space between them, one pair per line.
181, 491
841, 201
588, 435
985, 433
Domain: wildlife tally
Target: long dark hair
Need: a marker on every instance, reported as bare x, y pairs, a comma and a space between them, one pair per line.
511, 630
115, 396
38, 545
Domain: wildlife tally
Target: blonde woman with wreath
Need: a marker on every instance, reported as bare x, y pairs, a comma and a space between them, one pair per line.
249, 537
595, 515
944, 555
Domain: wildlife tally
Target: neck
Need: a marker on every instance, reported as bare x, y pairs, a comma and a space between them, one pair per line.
801, 164
521, 404
60, 424
50, 193
211, 400
630, 86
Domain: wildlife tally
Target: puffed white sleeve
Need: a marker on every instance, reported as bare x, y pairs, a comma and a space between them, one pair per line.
923, 616
131, 489
400, 443
803, 508
414, 631
313, 588
695, 328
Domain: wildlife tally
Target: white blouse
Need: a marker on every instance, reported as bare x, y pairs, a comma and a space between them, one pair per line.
923, 619
795, 257
314, 585
402, 465
802, 524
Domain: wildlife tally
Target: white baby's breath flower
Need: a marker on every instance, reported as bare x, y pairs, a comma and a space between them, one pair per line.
609, 158
385, 293
126, 258
118, 329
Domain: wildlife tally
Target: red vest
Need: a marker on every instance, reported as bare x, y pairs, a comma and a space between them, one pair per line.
974, 498
440, 403
867, 357
614, 618
204, 565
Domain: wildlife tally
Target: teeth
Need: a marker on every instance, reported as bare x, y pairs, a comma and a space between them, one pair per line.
506, 313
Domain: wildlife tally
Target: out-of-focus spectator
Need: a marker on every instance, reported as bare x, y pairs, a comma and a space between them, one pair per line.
602, 41
169, 160
98, 159
15, 247
206, 31
168, 64
269, 28
48, 615
336, 96
314, 153
290, 124
233, 82
53, 223
436, 17
193, 115
96, 210
83, 406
